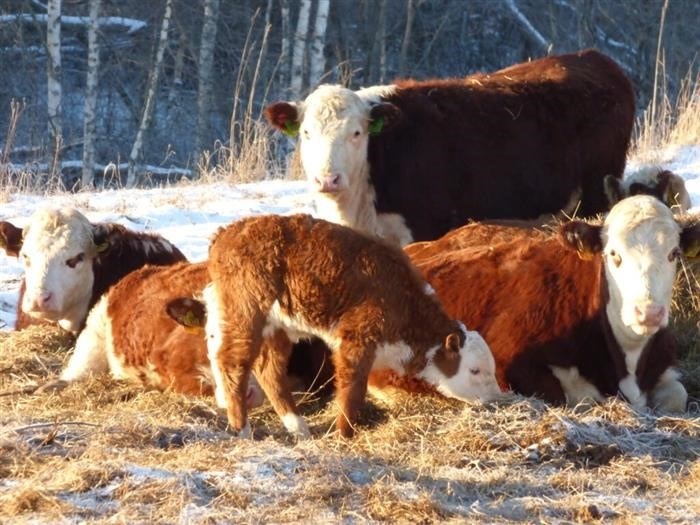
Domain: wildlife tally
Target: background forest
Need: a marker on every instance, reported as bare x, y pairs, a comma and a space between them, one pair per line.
163, 88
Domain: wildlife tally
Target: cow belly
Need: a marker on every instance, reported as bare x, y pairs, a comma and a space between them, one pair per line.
576, 387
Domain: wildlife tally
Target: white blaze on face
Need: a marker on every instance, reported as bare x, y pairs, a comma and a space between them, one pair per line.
57, 253
640, 250
333, 138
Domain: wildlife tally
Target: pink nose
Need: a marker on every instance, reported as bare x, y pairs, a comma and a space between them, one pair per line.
652, 315
43, 300
329, 183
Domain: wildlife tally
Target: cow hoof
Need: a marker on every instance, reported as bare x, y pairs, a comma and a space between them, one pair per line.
52, 387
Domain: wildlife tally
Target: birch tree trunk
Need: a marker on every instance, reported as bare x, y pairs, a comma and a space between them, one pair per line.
297, 80
317, 59
153, 79
54, 95
91, 95
205, 70
408, 28
381, 36
284, 51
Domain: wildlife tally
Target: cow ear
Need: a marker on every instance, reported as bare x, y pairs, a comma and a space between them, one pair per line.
189, 313
10, 238
102, 235
583, 237
675, 193
613, 190
453, 343
382, 116
690, 239
284, 116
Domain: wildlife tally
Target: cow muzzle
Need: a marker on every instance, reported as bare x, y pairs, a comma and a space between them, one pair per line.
650, 316
328, 183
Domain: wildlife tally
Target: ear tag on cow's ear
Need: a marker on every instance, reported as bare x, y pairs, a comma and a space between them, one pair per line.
102, 247
191, 322
291, 128
376, 125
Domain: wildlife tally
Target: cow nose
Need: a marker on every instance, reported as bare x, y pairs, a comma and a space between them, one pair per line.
43, 300
651, 315
329, 183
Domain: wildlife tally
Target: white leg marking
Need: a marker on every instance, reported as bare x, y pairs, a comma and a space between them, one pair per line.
212, 331
296, 425
90, 353
629, 388
576, 388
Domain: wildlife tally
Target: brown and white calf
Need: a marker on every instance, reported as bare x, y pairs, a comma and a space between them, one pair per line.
69, 263
278, 279
413, 160
650, 180
130, 334
580, 315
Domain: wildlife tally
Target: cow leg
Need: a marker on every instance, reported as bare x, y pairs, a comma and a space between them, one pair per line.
271, 371
669, 395
353, 363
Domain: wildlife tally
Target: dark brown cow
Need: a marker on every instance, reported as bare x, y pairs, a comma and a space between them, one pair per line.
523, 142
69, 263
278, 279
580, 316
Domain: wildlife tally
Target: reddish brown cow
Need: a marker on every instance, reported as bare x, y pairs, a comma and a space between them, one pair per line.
278, 279
411, 161
69, 263
581, 315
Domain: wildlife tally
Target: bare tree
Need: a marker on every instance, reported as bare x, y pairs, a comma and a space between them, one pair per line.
53, 65
285, 45
91, 95
297, 80
206, 68
153, 79
408, 29
317, 59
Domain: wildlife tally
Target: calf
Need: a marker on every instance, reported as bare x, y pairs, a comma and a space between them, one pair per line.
648, 180
581, 315
412, 160
69, 263
278, 279
130, 334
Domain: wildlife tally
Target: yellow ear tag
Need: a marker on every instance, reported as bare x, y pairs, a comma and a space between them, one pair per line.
190, 320
102, 247
193, 330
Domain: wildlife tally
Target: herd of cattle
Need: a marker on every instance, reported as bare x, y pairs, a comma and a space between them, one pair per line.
394, 284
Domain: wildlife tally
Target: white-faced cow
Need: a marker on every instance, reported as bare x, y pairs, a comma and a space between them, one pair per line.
650, 180
412, 160
580, 315
69, 263
278, 279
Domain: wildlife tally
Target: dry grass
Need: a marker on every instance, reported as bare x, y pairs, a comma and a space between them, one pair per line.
105, 452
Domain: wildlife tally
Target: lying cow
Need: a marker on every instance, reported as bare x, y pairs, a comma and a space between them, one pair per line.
412, 160
580, 316
130, 334
649, 180
278, 279
69, 263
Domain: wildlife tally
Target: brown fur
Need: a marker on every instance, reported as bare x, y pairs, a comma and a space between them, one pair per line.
358, 290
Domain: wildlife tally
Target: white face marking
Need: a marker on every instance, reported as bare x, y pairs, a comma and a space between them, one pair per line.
640, 247
296, 327
296, 425
212, 331
475, 377
576, 388
57, 256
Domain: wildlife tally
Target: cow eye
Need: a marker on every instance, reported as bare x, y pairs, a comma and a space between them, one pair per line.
675, 254
72, 263
356, 134
474, 371
306, 133
615, 258
25, 259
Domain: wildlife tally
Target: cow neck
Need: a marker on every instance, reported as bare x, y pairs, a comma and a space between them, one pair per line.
353, 207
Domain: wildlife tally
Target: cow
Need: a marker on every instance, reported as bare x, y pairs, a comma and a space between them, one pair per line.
650, 180
581, 314
278, 279
130, 334
415, 159
69, 263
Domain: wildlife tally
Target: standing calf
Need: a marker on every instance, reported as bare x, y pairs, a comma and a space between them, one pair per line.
278, 279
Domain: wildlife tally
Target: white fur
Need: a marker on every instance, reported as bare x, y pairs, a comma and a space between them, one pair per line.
214, 337
679, 198
90, 353
669, 395
296, 425
333, 140
576, 387
630, 389
392, 356
474, 355
52, 237
296, 327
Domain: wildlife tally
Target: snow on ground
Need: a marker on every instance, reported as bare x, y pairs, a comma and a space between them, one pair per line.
188, 215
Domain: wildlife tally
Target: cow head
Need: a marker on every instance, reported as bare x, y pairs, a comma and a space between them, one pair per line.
463, 367
10, 238
662, 184
57, 253
333, 125
641, 243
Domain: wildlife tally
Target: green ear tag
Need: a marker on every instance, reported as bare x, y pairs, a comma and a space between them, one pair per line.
376, 125
102, 247
291, 128
190, 320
